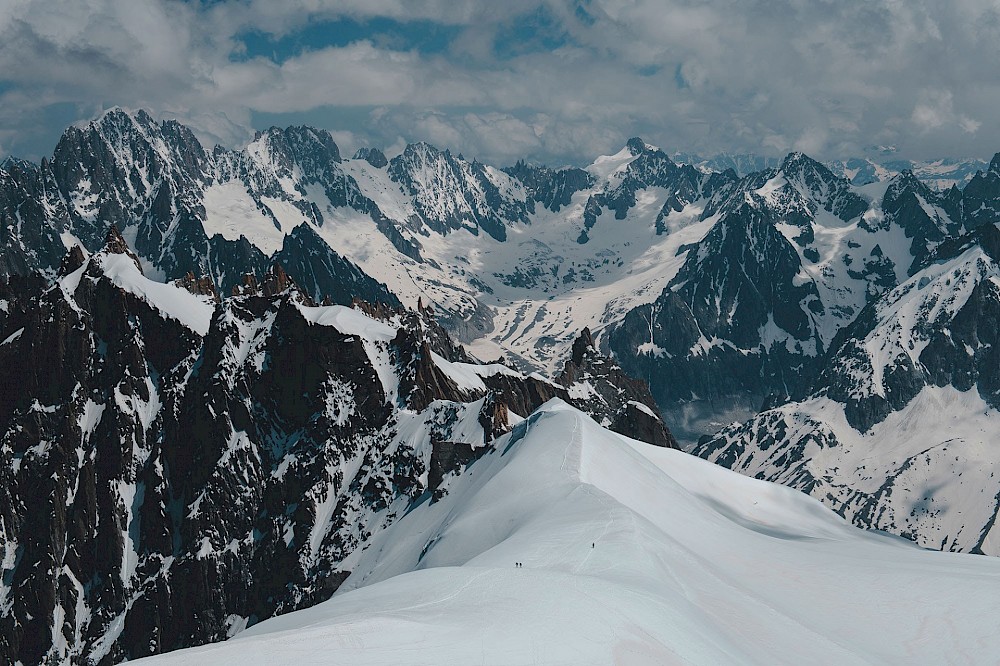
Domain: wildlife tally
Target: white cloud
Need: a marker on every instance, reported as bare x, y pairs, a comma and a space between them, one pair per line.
934, 109
969, 125
824, 77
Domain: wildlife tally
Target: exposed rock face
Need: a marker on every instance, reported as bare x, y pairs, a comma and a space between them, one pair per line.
450, 193
552, 188
373, 156
598, 383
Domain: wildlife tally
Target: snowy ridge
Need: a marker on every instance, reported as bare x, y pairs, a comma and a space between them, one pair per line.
657, 586
194, 311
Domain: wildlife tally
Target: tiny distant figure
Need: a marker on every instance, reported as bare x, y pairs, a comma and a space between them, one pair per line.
593, 545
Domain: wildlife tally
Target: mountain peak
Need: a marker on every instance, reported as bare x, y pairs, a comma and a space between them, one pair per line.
422, 148
636, 146
995, 164
583, 345
114, 243
117, 115
302, 140
796, 160
373, 156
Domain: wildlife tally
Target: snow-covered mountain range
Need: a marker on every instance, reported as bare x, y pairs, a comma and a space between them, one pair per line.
880, 166
228, 363
517, 261
899, 432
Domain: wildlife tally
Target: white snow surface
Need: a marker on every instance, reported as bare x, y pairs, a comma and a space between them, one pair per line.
631, 555
930, 467
193, 311
469, 376
231, 212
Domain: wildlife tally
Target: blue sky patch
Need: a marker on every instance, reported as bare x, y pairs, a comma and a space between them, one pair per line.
424, 37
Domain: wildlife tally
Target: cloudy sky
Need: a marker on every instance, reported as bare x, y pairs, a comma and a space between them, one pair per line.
556, 81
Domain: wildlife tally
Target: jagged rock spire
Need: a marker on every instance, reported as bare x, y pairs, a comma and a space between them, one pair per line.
373, 156
583, 344
114, 243
202, 286
73, 260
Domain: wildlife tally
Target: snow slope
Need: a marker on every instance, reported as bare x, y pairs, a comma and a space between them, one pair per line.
631, 555
194, 311
927, 471
900, 432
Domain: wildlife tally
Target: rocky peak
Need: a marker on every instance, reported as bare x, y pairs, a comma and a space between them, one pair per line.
795, 160
301, 144
420, 151
819, 186
451, 193
202, 286
800, 166
373, 156
995, 164
73, 259
583, 346
625, 404
636, 146
114, 243
274, 282
553, 188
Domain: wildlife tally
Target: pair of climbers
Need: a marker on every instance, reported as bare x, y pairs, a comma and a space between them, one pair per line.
518, 565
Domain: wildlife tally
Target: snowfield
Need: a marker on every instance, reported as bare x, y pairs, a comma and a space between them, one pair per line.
631, 555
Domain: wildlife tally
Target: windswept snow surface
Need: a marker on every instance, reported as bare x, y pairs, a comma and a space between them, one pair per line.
231, 212
194, 311
632, 555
